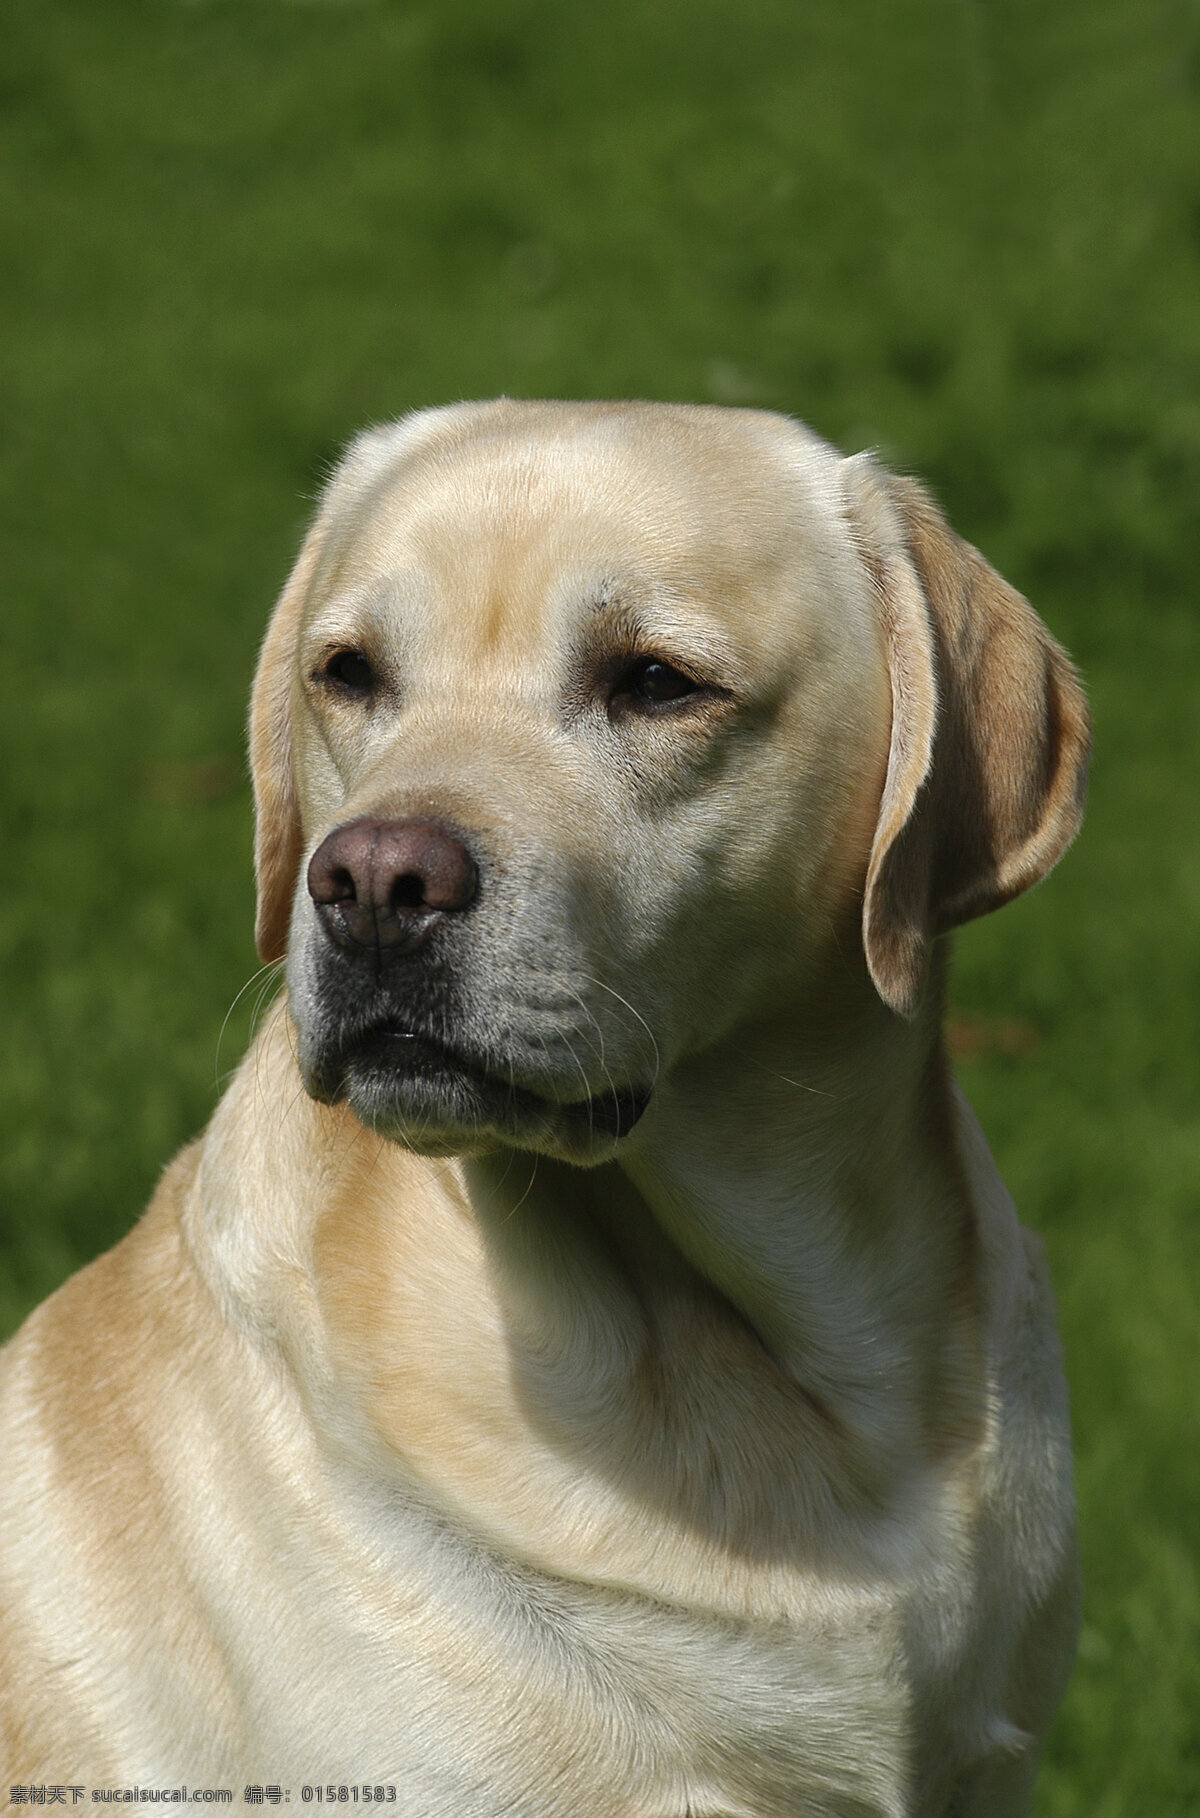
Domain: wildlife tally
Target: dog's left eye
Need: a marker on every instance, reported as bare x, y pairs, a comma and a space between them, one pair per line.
350, 670
651, 683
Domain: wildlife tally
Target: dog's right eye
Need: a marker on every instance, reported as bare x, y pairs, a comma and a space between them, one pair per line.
349, 670
650, 682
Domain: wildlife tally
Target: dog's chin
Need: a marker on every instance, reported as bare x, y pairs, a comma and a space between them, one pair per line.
439, 1102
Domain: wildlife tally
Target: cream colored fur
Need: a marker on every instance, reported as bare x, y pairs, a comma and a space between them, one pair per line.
715, 1470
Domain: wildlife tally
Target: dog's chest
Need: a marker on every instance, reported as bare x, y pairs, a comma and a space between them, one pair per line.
581, 1700
687, 1715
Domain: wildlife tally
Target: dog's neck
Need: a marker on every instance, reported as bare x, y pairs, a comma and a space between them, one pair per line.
760, 1322
814, 1190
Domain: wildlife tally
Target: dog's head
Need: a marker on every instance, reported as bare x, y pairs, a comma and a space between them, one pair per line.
584, 733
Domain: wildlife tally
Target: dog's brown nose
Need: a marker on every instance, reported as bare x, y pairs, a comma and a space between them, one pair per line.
389, 883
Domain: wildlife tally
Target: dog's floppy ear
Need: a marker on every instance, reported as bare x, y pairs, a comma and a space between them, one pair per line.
278, 840
989, 742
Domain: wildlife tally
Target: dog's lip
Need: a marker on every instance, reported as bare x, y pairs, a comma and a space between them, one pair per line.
612, 1111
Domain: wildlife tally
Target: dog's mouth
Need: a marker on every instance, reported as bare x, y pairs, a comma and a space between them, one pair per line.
437, 1098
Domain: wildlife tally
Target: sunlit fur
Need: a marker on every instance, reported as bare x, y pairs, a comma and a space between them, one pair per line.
716, 1470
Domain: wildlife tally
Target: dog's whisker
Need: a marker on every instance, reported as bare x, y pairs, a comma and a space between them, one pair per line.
801, 1085
512, 1213
268, 973
634, 1012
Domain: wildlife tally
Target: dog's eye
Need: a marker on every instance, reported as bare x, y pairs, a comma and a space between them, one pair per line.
652, 683
350, 670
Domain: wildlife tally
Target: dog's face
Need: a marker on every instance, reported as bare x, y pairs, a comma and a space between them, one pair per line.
571, 736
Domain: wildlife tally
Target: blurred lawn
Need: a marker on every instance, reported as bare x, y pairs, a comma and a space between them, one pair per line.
966, 233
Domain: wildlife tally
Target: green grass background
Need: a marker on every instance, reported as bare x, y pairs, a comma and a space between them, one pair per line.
966, 232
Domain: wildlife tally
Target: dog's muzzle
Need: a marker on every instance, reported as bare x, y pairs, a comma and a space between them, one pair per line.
390, 1037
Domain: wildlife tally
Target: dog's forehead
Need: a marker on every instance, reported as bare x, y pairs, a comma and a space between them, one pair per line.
517, 508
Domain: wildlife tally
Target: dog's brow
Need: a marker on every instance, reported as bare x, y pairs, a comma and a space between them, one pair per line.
666, 621
356, 610
641, 617
611, 608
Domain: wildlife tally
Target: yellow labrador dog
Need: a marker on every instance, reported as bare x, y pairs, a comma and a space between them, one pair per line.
589, 1367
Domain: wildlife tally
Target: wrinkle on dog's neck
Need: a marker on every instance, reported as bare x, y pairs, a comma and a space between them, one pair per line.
815, 1194
827, 1203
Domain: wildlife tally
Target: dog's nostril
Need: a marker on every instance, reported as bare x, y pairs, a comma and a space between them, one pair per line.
389, 884
408, 891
